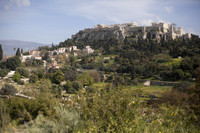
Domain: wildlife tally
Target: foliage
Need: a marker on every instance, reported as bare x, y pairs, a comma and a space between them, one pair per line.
8, 89
57, 77
73, 87
4, 116
13, 62
33, 78
18, 53
66, 120
70, 74
23, 72
46, 56
85, 79
95, 75
1, 53
16, 77
72, 59
3, 72
26, 109
116, 110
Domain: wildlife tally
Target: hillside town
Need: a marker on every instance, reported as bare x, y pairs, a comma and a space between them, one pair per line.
53, 55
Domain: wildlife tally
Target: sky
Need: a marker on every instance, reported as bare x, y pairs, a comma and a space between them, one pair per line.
53, 21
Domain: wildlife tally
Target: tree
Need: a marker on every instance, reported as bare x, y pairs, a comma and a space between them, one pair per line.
3, 72
73, 87
71, 59
23, 72
16, 77
95, 75
8, 89
85, 79
4, 116
13, 62
33, 78
18, 53
22, 51
77, 85
1, 53
57, 77
46, 56
70, 75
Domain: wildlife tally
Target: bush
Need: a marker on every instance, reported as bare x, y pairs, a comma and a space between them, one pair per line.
73, 87
16, 77
33, 78
67, 120
8, 89
95, 75
3, 72
22, 72
4, 116
13, 62
20, 82
183, 86
85, 79
57, 77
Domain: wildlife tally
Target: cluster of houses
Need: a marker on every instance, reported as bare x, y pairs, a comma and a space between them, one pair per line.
67, 51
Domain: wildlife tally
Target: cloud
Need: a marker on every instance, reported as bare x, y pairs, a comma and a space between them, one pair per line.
169, 9
18, 3
117, 11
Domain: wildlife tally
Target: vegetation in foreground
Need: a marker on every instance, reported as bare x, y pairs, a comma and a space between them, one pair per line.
68, 100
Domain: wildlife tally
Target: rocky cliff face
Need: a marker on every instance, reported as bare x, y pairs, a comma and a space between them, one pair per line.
103, 33
120, 31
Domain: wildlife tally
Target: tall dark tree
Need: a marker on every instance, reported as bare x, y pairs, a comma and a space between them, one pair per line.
18, 52
22, 51
1, 53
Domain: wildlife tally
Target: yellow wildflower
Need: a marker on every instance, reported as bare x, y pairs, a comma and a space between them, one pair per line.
133, 102
159, 132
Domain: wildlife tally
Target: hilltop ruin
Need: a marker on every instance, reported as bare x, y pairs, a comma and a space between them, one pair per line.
156, 31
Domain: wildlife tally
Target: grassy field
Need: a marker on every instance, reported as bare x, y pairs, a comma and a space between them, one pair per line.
148, 90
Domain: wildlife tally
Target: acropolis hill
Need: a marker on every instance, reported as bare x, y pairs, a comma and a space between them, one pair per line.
156, 31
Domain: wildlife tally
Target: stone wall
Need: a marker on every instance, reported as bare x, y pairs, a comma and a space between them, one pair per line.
159, 83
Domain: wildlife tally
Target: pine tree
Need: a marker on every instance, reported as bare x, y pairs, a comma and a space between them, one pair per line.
18, 52
1, 53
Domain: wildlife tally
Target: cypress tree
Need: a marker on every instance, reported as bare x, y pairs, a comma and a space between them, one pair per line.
18, 52
1, 53
22, 51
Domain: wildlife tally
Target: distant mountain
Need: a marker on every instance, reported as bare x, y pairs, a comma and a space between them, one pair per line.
9, 45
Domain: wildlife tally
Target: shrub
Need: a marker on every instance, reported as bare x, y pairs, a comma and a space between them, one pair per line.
8, 89
67, 120
23, 72
13, 62
85, 79
57, 77
4, 116
33, 78
3, 72
73, 87
95, 75
16, 77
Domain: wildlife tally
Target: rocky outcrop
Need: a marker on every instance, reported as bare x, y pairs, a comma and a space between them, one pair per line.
120, 31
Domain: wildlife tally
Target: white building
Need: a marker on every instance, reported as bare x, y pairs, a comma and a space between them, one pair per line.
34, 52
62, 50
26, 57
88, 50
